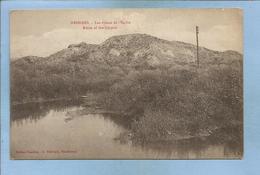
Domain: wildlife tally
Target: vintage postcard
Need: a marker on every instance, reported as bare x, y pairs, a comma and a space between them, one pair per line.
126, 84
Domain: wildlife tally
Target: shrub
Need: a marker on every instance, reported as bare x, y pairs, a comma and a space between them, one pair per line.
179, 102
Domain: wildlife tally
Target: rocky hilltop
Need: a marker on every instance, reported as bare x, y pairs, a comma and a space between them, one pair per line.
137, 50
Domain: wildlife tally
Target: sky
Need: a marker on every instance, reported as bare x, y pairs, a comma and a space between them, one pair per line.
44, 32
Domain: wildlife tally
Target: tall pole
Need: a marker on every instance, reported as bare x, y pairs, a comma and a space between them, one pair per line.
197, 39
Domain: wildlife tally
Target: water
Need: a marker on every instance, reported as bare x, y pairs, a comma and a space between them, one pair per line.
55, 130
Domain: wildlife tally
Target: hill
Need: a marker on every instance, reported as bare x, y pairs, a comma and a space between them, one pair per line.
82, 67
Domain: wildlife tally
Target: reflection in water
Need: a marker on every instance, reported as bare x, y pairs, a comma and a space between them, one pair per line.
31, 112
40, 131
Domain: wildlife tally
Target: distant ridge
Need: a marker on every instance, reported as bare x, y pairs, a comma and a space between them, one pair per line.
138, 49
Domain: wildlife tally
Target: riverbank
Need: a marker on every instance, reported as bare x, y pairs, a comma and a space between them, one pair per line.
93, 136
180, 105
171, 105
43, 100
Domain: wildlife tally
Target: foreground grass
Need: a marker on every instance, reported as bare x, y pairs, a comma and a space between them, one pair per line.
181, 104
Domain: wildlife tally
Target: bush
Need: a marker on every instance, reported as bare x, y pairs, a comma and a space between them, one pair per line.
181, 102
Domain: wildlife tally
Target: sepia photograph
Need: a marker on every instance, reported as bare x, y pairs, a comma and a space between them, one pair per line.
126, 83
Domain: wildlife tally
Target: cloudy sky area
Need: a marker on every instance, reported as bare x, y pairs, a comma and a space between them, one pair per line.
44, 32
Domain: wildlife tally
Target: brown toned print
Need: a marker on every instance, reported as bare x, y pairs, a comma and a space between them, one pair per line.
126, 84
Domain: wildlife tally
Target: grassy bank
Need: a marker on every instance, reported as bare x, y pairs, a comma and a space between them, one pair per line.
170, 105
46, 81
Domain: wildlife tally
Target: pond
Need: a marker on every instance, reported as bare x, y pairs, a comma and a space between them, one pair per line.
54, 130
